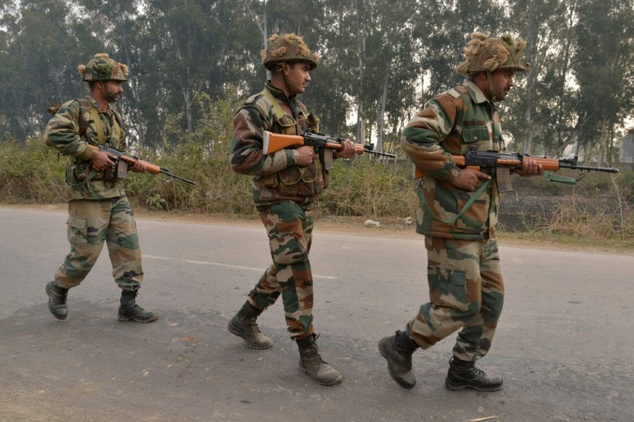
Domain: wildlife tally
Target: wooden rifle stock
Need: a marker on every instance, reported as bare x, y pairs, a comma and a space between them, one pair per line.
273, 142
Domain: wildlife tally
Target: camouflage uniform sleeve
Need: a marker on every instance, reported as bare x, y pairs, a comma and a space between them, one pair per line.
246, 146
62, 132
422, 137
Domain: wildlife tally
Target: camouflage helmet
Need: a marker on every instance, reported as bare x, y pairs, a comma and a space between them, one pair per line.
287, 48
103, 68
489, 54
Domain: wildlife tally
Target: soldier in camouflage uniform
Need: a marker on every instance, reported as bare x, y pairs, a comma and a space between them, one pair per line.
98, 208
458, 215
285, 186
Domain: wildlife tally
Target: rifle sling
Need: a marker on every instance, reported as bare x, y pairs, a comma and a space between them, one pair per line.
474, 197
552, 177
94, 113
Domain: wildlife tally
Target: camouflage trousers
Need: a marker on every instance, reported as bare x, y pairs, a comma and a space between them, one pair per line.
289, 228
466, 292
90, 224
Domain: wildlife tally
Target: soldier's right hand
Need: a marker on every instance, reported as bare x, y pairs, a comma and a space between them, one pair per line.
469, 179
306, 155
101, 160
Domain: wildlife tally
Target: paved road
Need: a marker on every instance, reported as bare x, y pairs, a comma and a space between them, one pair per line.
564, 344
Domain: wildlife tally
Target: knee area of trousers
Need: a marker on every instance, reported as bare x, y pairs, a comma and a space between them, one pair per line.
291, 254
472, 310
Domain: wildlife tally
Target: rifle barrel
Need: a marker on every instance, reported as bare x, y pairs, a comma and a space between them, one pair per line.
605, 169
169, 173
573, 166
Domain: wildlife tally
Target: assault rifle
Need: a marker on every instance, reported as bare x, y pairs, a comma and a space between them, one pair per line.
493, 161
130, 159
276, 141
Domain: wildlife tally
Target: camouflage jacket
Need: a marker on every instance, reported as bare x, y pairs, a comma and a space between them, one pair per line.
277, 177
450, 124
70, 131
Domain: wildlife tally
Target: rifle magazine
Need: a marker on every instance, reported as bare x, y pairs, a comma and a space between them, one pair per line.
329, 160
503, 177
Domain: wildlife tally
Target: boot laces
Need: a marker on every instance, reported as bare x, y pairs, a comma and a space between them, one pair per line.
477, 372
313, 354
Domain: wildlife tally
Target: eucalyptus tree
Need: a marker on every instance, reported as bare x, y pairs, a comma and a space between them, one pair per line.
113, 27
442, 31
603, 68
390, 66
176, 57
543, 116
367, 53
36, 70
319, 23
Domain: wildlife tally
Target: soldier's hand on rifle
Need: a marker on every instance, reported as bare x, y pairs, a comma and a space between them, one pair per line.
100, 160
138, 167
530, 167
469, 179
347, 151
306, 155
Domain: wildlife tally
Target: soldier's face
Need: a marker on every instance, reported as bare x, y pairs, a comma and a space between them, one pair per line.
112, 90
297, 77
503, 80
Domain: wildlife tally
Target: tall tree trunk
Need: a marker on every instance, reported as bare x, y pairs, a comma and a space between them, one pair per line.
381, 114
360, 56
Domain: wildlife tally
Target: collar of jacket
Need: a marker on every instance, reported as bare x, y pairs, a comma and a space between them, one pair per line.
279, 94
476, 93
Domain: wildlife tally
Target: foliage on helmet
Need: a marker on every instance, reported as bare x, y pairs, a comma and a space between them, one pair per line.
103, 68
287, 48
483, 53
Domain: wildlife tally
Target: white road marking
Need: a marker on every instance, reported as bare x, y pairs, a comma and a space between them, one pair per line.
221, 264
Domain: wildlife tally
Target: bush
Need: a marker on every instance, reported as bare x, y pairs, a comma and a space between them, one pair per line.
31, 173
364, 187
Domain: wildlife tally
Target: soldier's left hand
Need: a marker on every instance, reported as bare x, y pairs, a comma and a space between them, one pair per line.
138, 167
347, 151
530, 167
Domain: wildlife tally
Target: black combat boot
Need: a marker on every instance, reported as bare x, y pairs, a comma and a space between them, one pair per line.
398, 350
130, 311
243, 325
311, 363
465, 375
57, 300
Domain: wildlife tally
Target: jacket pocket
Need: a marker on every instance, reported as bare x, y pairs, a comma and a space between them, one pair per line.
288, 125
474, 134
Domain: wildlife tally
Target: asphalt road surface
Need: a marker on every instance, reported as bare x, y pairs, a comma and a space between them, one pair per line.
564, 344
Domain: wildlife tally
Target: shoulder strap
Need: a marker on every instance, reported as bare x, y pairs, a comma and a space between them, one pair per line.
94, 113
277, 108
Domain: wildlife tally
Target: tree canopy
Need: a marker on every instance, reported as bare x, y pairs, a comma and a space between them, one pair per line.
380, 61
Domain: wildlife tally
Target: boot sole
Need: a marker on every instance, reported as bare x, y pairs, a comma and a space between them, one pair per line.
457, 387
233, 330
50, 293
394, 376
132, 319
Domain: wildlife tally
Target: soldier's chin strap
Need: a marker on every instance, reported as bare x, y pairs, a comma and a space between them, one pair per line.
491, 88
286, 85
